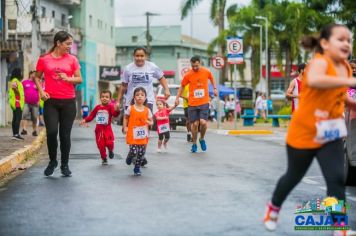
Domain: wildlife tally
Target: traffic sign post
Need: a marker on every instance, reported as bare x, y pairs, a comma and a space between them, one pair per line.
235, 50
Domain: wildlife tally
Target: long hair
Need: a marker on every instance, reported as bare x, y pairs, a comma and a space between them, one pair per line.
60, 36
139, 89
313, 42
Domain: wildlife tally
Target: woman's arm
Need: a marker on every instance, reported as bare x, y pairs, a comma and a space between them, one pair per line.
164, 84
45, 96
122, 90
125, 124
76, 79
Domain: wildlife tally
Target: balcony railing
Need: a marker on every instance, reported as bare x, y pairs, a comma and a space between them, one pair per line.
24, 25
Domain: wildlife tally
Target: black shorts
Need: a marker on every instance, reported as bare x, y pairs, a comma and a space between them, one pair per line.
186, 113
165, 135
198, 112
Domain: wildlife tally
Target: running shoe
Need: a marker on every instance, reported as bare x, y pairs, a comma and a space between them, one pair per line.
41, 124
189, 137
111, 154
194, 148
24, 132
34, 133
144, 162
104, 162
50, 168
271, 217
137, 171
343, 232
128, 160
202, 144
17, 137
66, 171
159, 150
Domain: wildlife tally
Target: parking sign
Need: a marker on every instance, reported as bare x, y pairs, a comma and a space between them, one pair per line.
235, 50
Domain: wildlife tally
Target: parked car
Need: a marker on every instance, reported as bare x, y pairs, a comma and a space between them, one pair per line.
176, 117
278, 94
350, 148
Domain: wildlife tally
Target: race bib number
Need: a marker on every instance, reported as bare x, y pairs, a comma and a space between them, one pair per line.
102, 118
330, 130
199, 93
140, 132
163, 128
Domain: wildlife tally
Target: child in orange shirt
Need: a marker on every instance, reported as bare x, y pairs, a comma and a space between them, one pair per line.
137, 119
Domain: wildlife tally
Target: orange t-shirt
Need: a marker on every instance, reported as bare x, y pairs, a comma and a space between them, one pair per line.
315, 104
137, 132
198, 86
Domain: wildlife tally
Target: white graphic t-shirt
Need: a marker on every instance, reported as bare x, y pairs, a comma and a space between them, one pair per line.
143, 76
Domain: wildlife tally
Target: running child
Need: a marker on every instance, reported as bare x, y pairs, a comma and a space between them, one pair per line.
137, 119
162, 118
317, 126
103, 114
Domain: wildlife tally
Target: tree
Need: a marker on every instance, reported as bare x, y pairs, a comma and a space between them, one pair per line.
217, 15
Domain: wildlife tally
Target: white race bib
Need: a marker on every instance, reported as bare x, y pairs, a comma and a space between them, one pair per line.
140, 132
102, 118
199, 93
330, 130
163, 128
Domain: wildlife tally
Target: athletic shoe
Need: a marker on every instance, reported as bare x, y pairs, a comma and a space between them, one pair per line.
24, 132
271, 217
137, 171
189, 137
194, 148
66, 171
111, 154
17, 137
128, 160
159, 150
34, 133
104, 162
202, 144
144, 162
343, 232
50, 168
41, 124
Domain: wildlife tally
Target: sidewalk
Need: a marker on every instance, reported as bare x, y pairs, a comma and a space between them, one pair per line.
14, 152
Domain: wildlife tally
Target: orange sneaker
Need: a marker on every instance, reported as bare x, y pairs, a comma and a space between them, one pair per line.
271, 217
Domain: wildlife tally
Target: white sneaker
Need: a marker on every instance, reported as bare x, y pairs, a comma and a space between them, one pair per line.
271, 217
159, 150
344, 233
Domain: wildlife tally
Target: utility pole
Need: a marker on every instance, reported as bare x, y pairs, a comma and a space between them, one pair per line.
148, 35
3, 17
36, 35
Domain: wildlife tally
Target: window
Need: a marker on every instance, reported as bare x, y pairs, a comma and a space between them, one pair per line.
134, 39
100, 24
90, 20
43, 12
112, 31
63, 20
112, 3
53, 14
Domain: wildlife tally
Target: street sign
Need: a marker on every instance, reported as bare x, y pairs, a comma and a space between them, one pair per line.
218, 62
235, 50
183, 67
110, 73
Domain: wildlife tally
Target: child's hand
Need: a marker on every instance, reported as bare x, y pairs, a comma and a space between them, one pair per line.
83, 123
124, 130
117, 106
149, 122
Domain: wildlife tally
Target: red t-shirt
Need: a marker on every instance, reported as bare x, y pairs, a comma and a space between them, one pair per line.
54, 85
103, 115
162, 125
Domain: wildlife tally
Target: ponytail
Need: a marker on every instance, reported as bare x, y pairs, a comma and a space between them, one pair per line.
60, 36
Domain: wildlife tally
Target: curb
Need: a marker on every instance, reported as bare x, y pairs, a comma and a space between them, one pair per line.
244, 132
9, 163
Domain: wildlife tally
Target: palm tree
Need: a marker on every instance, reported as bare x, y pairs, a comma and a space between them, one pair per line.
217, 15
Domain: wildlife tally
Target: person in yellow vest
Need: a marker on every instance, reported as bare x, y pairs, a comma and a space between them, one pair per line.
17, 102
185, 95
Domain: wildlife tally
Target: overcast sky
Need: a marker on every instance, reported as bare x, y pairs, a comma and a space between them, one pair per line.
131, 13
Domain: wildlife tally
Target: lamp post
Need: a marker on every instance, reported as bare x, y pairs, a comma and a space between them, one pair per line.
261, 51
266, 52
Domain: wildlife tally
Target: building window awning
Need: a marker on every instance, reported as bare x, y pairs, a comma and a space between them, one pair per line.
169, 73
8, 46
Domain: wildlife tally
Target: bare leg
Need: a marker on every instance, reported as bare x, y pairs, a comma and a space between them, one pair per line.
195, 127
203, 128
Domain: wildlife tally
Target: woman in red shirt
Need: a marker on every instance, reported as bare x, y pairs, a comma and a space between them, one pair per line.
61, 73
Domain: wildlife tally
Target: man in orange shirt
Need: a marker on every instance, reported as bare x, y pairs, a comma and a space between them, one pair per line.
198, 101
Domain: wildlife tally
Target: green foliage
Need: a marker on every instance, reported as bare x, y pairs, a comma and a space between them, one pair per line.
286, 110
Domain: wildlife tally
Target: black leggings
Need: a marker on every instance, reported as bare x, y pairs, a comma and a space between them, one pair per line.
59, 113
331, 161
16, 120
165, 136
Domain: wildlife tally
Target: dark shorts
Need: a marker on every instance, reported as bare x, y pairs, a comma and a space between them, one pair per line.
30, 112
165, 135
198, 113
186, 113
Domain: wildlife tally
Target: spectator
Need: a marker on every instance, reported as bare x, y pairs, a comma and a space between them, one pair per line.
17, 102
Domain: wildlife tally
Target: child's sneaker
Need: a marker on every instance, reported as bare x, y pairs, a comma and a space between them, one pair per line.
104, 162
128, 160
194, 148
111, 154
137, 171
144, 162
159, 150
271, 217
202, 144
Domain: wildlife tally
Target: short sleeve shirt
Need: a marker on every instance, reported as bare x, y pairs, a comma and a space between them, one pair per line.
31, 92
128, 112
143, 76
53, 84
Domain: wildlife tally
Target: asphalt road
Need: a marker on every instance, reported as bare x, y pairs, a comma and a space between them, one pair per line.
220, 192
